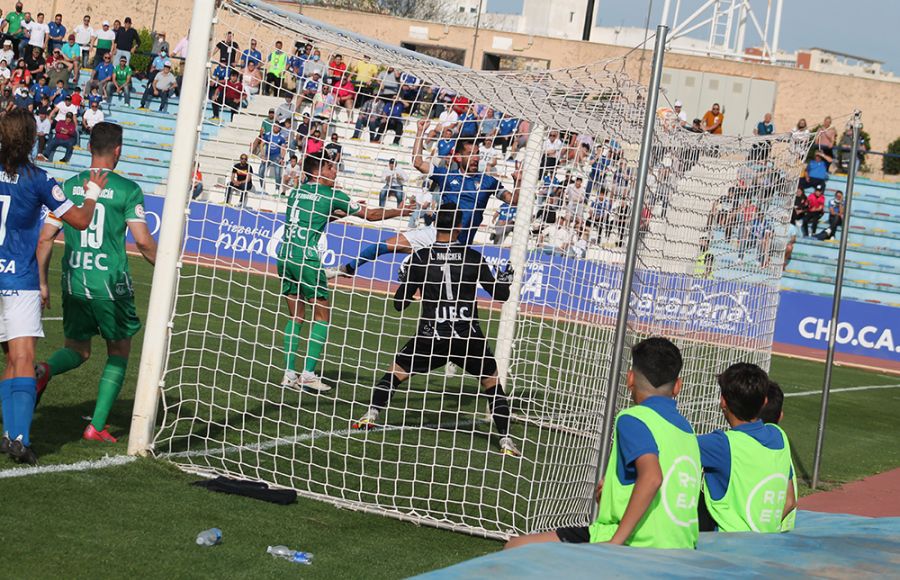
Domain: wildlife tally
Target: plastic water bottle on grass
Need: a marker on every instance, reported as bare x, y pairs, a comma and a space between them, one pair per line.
210, 537
290, 555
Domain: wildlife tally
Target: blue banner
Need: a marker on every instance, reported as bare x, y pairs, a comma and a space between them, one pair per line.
865, 329
682, 303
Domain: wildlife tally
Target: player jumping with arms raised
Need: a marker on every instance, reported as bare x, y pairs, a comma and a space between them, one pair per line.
447, 276
97, 292
24, 188
309, 209
465, 188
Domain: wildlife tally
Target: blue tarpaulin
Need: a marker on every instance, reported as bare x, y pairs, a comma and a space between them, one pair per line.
824, 545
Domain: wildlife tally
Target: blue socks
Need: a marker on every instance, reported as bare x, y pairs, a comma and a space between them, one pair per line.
369, 253
17, 397
7, 406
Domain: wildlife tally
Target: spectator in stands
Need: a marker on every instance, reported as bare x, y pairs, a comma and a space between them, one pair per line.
127, 41
156, 65
311, 88
24, 34
91, 117
41, 89
488, 157
816, 172
314, 65
765, 127
576, 199
106, 38
713, 119
696, 126
364, 72
181, 49
121, 83
241, 181
284, 114
801, 205
228, 49
345, 94
845, 147
680, 115
334, 150
71, 56
314, 144
550, 153
160, 47
198, 183
163, 86
251, 55
394, 179
557, 238
21, 76
448, 119
42, 122
60, 110
7, 101
389, 118
265, 127
22, 99
56, 33
8, 54
37, 32
65, 136
101, 76
598, 214
36, 63
59, 93
274, 145
322, 108
504, 222
816, 207
12, 24
77, 99
217, 79
231, 95
835, 213
292, 174
365, 116
506, 130
388, 83
337, 69
825, 139
84, 38
251, 78
5, 73
276, 65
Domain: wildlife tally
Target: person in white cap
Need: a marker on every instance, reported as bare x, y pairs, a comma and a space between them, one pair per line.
682, 116
7, 53
105, 39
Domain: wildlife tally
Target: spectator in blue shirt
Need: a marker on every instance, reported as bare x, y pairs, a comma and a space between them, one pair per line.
57, 33
101, 76
58, 94
506, 130
765, 127
469, 124
390, 118
41, 89
273, 144
816, 172
760, 151
251, 55
835, 213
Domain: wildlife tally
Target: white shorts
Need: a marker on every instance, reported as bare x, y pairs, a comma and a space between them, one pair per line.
20, 314
422, 237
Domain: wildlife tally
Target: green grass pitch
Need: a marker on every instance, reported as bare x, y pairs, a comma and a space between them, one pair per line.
141, 519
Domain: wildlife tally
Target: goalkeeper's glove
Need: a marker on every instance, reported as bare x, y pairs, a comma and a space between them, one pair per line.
505, 276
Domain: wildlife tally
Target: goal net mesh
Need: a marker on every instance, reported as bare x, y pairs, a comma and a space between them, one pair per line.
711, 247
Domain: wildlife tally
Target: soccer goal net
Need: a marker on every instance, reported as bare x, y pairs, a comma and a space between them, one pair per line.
543, 166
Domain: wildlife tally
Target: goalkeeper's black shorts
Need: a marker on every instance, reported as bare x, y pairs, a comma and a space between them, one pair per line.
469, 350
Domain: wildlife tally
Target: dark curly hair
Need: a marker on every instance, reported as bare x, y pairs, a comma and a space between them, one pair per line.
17, 134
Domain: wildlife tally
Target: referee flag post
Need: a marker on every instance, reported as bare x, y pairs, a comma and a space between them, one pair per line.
637, 206
178, 189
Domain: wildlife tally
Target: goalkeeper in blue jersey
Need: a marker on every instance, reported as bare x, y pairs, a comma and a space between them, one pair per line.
464, 187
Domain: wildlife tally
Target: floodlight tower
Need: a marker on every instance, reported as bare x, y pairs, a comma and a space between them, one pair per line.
726, 22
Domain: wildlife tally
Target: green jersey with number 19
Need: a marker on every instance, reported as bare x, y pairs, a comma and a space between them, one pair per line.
95, 265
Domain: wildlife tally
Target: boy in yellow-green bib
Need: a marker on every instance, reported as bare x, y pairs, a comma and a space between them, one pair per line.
652, 484
747, 471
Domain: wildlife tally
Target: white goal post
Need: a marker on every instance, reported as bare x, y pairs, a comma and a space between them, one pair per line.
557, 155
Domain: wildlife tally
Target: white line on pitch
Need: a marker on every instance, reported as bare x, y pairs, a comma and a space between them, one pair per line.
311, 437
844, 390
57, 318
107, 461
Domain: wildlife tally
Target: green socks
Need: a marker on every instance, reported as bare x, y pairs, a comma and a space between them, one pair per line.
318, 335
291, 343
63, 360
110, 385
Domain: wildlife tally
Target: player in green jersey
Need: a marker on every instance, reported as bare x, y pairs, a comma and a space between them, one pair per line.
97, 293
309, 209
